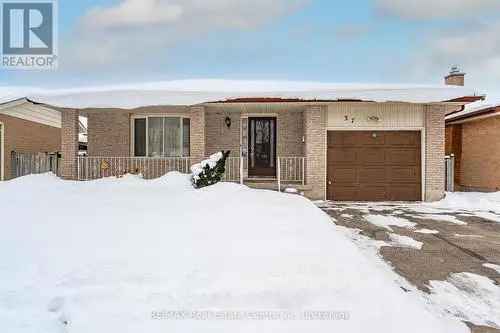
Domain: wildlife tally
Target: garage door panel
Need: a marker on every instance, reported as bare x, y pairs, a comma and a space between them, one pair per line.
344, 193
403, 193
370, 139
372, 193
370, 156
404, 174
374, 165
372, 175
344, 175
343, 155
403, 156
403, 138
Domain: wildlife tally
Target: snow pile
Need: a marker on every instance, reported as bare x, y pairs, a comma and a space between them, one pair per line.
404, 241
388, 221
469, 296
118, 255
470, 201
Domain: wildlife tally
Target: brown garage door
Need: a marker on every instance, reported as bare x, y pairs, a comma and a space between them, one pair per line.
374, 166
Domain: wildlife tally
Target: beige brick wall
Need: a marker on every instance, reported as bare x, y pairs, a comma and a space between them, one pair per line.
69, 144
109, 133
197, 138
435, 152
218, 136
315, 119
480, 163
27, 137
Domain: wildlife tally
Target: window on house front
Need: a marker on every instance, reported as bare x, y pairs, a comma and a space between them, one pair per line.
140, 137
161, 136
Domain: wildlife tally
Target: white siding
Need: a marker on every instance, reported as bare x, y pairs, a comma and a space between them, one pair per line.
360, 115
34, 113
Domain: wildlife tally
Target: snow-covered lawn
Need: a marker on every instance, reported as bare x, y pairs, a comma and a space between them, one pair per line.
118, 255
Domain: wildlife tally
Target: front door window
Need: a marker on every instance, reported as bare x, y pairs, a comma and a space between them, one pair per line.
262, 147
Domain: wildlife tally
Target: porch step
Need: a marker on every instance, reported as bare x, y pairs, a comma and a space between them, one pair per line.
273, 185
263, 180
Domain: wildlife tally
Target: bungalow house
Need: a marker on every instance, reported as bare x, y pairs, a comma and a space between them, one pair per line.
26, 127
338, 142
473, 137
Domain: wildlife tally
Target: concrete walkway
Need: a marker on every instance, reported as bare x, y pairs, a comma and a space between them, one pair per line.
453, 242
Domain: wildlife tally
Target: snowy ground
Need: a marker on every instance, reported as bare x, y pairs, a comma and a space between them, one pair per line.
120, 255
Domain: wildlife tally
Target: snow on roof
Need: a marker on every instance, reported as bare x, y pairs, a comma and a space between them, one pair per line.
492, 101
192, 92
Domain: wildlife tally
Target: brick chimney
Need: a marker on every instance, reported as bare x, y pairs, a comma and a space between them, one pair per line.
455, 78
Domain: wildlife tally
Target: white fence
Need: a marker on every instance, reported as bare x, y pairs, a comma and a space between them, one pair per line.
90, 168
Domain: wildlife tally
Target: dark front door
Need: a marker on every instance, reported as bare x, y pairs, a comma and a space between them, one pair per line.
262, 147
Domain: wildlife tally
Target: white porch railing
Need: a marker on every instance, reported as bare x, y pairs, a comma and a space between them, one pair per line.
233, 169
291, 169
90, 168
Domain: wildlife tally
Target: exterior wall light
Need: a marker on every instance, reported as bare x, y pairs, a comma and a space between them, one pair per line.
227, 121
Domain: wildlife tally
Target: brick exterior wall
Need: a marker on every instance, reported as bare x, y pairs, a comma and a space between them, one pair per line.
27, 137
197, 133
435, 152
315, 151
455, 80
69, 144
480, 160
109, 133
218, 136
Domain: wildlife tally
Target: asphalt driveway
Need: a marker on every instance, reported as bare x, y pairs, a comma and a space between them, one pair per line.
435, 243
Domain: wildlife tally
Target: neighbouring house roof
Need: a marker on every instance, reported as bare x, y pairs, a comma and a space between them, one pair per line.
478, 109
194, 92
23, 108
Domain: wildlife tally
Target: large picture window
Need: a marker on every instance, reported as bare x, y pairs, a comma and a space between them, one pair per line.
156, 136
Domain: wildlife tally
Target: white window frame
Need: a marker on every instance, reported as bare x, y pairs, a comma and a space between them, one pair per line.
2, 151
147, 116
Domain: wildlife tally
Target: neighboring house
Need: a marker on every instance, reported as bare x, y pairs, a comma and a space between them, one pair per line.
26, 127
473, 136
348, 142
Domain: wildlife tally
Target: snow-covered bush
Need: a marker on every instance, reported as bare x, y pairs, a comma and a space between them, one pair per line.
210, 171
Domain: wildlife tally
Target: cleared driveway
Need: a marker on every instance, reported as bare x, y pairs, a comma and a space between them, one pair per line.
425, 245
